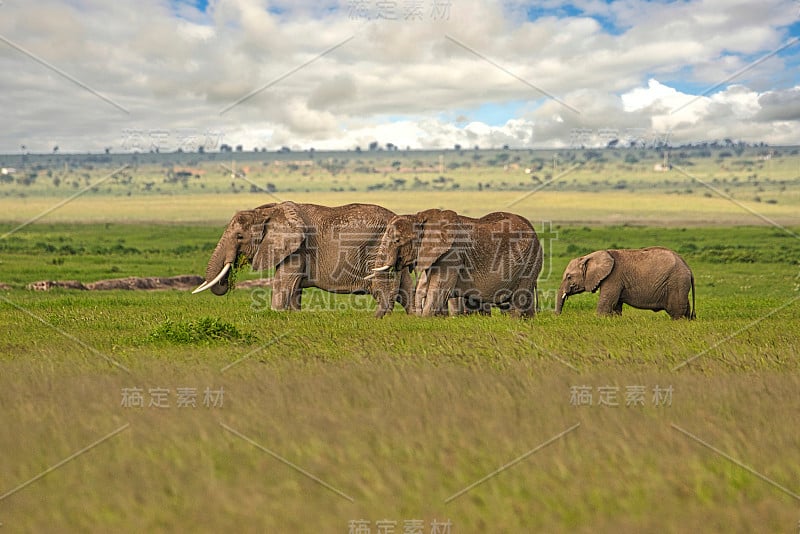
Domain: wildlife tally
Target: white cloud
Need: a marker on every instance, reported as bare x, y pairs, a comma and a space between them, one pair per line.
173, 67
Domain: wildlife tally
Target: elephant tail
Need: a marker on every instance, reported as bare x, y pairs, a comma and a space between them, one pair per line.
692, 313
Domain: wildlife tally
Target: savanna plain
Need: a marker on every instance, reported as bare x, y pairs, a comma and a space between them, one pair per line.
328, 420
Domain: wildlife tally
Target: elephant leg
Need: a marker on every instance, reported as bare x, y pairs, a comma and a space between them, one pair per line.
525, 308
678, 306
436, 303
687, 311
455, 306
280, 297
609, 302
297, 296
481, 308
439, 289
523, 300
675, 316
476, 306
406, 294
679, 310
420, 292
286, 291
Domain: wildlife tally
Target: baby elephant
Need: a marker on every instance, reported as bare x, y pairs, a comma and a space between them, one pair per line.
653, 278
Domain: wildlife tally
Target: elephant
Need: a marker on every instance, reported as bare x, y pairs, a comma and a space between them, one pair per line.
331, 248
653, 278
494, 260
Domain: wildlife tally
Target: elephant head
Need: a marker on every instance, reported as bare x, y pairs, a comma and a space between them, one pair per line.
416, 241
584, 274
413, 242
264, 236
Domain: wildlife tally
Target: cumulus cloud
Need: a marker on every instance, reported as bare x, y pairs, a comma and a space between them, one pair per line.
303, 74
781, 105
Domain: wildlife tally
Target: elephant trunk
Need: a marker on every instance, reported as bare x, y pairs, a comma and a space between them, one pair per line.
561, 297
385, 257
218, 269
386, 291
385, 280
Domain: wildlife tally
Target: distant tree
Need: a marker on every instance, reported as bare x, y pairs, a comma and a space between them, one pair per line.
239, 148
55, 149
457, 147
373, 146
224, 147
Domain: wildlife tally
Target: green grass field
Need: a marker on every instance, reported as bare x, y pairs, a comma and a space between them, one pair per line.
314, 421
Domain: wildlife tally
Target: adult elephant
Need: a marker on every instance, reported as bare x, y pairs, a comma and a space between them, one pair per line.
494, 260
654, 278
331, 248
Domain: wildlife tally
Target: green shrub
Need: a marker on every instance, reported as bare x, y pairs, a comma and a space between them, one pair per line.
205, 330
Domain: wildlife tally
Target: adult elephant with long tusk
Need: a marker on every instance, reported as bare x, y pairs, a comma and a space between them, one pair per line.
494, 260
331, 248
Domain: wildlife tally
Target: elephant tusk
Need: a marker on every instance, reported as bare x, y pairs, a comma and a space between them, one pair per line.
370, 276
563, 296
206, 285
381, 269
201, 287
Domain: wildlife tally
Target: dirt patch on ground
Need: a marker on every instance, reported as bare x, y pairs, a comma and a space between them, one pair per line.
248, 284
47, 285
182, 282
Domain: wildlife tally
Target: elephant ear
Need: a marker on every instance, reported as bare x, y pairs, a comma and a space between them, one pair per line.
439, 230
597, 266
282, 233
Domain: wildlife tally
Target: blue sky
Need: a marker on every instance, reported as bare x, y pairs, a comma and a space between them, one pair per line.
537, 10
